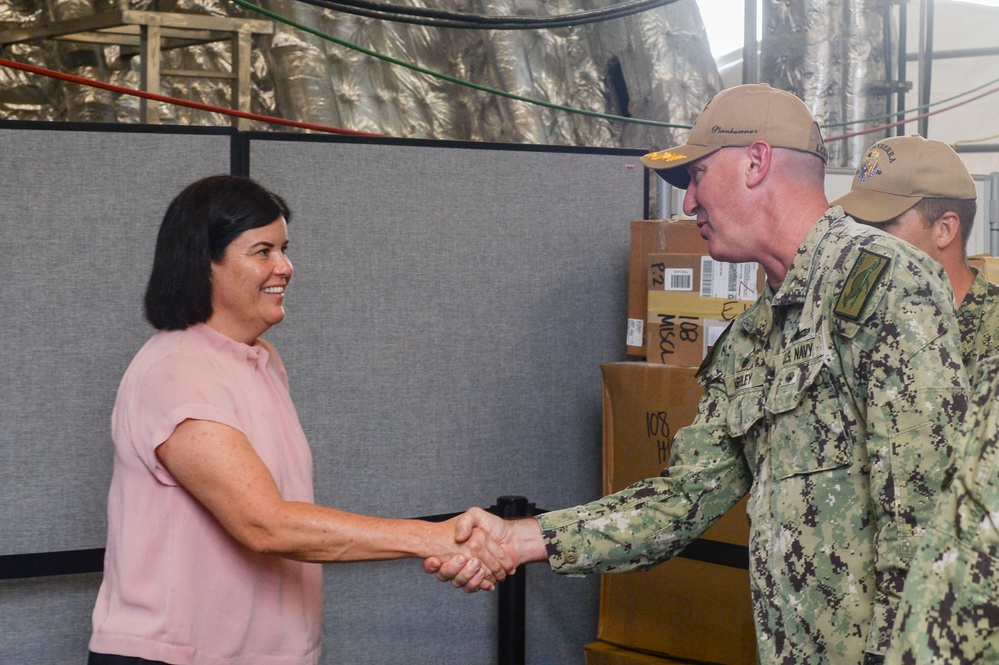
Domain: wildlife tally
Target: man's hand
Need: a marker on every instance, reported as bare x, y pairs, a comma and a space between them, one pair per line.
482, 561
482, 531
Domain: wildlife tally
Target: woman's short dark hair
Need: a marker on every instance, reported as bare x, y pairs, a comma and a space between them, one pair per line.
197, 228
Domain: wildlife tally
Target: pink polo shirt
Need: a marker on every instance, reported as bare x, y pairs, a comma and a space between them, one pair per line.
177, 587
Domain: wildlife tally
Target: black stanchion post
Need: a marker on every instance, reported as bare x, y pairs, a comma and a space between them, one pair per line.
512, 594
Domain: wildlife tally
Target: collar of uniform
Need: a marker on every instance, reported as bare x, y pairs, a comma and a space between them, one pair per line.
796, 285
758, 319
979, 288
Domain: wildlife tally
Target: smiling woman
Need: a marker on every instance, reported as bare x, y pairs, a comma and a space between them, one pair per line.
213, 533
248, 284
198, 228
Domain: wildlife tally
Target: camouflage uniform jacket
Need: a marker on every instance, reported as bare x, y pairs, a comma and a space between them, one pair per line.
978, 318
949, 614
832, 403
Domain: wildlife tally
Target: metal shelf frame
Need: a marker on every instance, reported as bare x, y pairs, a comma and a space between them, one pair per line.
149, 34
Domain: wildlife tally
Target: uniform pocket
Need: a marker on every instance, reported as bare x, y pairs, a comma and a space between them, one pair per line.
810, 431
748, 401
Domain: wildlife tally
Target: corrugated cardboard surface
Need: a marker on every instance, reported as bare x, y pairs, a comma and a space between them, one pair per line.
682, 608
685, 315
652, 236
988, 264
602, 653
682, 327
643, 405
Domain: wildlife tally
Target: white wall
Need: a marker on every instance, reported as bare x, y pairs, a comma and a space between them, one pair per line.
956, 26
960, 25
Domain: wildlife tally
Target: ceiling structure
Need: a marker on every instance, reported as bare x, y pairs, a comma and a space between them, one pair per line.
598, 73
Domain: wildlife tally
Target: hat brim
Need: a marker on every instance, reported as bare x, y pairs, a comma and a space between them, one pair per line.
875, 207
671, 165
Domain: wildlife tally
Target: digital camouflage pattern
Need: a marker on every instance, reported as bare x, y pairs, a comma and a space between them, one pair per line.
949, 613
839, 426
978, 319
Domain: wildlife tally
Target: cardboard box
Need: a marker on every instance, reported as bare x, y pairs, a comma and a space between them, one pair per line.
686, 608
653, 236
602, 653
643, 407
988, 264
691, 300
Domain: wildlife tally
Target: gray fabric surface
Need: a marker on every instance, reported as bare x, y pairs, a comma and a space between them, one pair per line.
446, 321
78, 221
448, 314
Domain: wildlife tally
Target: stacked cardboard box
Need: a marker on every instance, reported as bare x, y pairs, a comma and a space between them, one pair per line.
696, 606
988, 264
691, 300
680, 299
602, 653
653, 236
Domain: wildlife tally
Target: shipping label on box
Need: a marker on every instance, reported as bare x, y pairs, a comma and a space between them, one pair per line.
653, 236
691, 300
730, 281
683, 608
697, 273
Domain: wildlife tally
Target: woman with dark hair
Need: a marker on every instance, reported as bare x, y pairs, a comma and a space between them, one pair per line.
198, 226
214, 539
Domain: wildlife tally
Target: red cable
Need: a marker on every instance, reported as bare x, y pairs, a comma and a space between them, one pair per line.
912, 119
334, 130
178, 102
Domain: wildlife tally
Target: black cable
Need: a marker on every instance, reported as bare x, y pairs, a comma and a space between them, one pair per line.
452, 19
444, 14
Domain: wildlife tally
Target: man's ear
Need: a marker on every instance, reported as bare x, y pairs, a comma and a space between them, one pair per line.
947, 229
760, 157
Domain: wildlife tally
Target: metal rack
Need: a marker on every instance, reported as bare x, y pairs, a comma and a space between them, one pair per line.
148, 34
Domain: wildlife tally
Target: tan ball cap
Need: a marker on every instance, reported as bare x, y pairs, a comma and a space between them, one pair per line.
899, 172
737, 117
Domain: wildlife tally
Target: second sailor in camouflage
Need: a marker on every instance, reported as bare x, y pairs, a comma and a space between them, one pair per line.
919, 190
949, 613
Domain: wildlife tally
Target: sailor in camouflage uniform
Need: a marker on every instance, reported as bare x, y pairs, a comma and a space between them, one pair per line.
919, 190
949, 614
978, 318
830, 400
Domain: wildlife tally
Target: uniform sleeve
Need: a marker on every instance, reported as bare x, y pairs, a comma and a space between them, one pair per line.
160, 396
652, 520
949, 613
914, 385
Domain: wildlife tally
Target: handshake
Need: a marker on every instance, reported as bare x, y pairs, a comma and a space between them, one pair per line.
477, 549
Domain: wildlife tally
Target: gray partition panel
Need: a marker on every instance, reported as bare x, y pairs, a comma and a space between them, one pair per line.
78, 223
78, 220
448, 314
450, 309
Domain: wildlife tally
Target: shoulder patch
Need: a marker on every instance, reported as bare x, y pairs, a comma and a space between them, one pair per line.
860, 284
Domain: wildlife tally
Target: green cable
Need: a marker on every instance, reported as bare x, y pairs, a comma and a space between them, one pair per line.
557, 107
889, 116
451, 79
